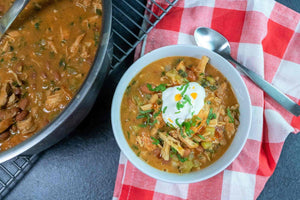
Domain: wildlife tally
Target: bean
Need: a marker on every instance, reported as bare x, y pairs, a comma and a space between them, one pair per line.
48, 66
33, 86
33, 75
200, 149
4, 136
17, 91
23, 103
2, 8
89, 61
186, 153
2, 114
22, 115
145, 89
14, 128
45, 122
44, 75
56, 76
165, 162
19, 67
156, 152
191, 76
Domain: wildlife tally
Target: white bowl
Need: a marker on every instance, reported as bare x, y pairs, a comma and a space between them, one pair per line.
240, 91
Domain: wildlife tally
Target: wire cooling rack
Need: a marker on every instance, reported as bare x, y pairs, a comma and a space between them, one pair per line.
132, 21
139, 19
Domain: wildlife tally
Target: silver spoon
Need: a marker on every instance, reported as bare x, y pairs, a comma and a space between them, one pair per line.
214, 41
10, 16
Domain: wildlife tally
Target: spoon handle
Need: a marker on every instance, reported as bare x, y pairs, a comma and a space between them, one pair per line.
273, 92
11, 15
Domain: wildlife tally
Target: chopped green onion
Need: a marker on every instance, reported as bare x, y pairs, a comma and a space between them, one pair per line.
180, 88
210, 116
181, 158
146, 111
159, 88
128, 135
164, 110
188, 99
230, 116
135, 147
179, 105
156, 114
184, 90
201, 136
155, 141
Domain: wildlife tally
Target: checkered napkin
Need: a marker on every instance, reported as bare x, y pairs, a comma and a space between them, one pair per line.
265, 37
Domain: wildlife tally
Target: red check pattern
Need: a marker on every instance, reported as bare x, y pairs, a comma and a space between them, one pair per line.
264, 36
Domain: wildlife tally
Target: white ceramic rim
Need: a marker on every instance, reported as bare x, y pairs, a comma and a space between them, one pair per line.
240, 91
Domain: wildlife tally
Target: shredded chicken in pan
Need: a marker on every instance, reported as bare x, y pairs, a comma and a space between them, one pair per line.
44, 59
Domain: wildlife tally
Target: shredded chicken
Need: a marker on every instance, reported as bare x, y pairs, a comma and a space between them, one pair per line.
229, 127
8, 113
181, 66
172, 142
165, 151
64, 33
57, 100
5, 124
11, 100
4, 93
145, 141
202, 65
75, 46
52, 46
186, 140
146, 107
27, 125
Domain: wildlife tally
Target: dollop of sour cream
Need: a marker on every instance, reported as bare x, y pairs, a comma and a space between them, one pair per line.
182, 102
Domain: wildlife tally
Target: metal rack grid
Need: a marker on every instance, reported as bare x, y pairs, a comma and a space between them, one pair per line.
139, 16
140, 20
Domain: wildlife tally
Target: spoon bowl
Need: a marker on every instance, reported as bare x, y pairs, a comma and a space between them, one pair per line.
214, 41
9, 17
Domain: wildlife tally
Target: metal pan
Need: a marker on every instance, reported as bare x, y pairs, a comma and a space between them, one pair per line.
80, 105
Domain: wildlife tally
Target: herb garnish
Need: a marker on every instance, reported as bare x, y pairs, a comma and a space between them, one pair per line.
187, 126
180, 88
160, 88
37, 26
148, 115
135, 147
201, 136
182, 159
128, 135
184, 89
182, 73
188, 99
230, 116
179, 105
180, 127
99, 12
156, 114
210, 116
155, 141
165, 108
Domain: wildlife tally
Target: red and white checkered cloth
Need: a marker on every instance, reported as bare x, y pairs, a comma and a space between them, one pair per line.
265, 37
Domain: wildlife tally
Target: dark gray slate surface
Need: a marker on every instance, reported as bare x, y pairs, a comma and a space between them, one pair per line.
84, 165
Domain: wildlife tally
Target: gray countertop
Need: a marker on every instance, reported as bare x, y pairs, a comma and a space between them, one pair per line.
84, 165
